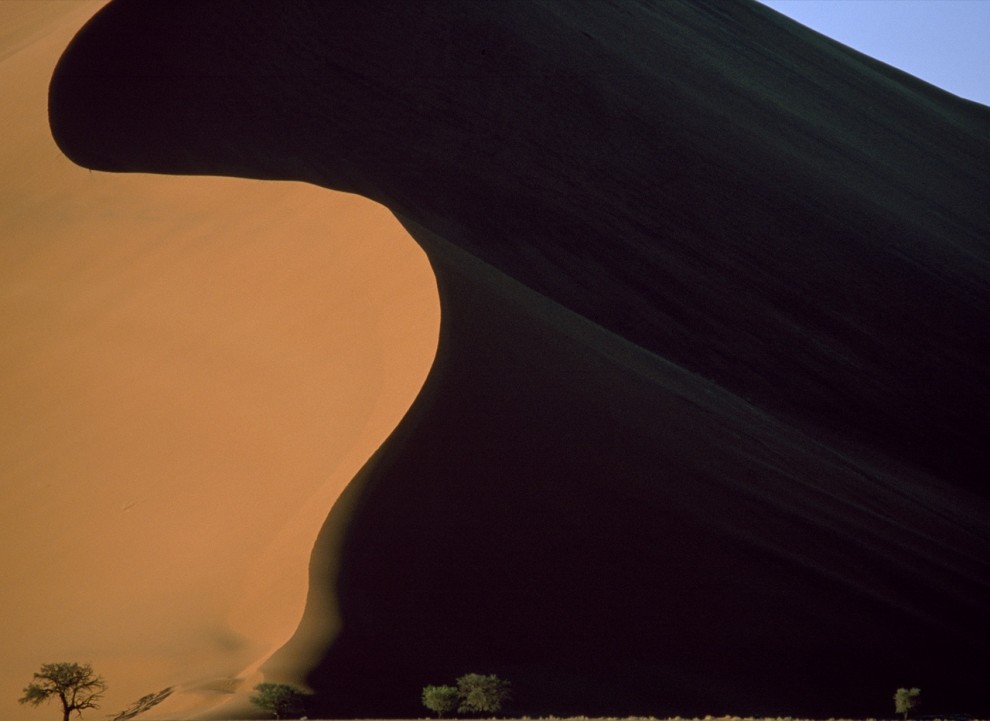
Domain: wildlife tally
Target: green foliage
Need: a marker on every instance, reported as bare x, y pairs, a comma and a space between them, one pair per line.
481, 694
906, 699
75, 685
474, 693
280, 699
441, 699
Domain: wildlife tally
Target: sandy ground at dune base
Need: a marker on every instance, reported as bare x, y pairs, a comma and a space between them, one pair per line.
637, 718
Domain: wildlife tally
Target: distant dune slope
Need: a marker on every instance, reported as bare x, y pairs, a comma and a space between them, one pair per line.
707, 428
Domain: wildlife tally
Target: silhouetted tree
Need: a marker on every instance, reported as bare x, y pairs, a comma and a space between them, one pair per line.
75, 685
906, 699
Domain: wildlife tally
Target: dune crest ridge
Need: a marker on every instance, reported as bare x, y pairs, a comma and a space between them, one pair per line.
191, 370
706, 429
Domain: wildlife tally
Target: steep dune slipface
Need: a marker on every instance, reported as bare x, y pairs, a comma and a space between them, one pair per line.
707, 427
190, 372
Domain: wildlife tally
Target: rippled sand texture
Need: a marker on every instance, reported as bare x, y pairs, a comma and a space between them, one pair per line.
707, 429
191, 369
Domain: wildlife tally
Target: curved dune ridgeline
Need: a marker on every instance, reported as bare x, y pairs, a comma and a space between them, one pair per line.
707, 427
191, 369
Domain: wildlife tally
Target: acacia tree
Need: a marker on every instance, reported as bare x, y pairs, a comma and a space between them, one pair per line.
481, 694
474, 693
280, 699
75, 685
906, 699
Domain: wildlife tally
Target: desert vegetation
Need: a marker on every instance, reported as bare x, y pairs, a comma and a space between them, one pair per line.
279, 699
78, 688
441, 699
75, 685
906, 699
474, 693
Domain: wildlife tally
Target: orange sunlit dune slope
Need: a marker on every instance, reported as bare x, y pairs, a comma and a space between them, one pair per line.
191, 371
706, 428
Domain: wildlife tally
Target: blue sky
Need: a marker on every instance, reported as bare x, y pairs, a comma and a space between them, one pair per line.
944, 42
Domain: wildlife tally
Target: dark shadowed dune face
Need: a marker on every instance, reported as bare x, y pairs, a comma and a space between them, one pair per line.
708, 427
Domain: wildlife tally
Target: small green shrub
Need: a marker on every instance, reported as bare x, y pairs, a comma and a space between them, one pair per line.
280, 699
441, 699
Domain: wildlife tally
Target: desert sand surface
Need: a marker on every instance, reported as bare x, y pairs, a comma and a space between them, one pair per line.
707, 426
190, 372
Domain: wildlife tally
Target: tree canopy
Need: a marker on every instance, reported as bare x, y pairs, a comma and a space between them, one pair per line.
474, 693
280, 699
75, 685
906, 699
441, 699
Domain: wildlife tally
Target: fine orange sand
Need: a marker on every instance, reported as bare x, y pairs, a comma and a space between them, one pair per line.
191, 371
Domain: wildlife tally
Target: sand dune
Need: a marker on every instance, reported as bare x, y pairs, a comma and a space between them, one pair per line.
707, 427
192, 369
